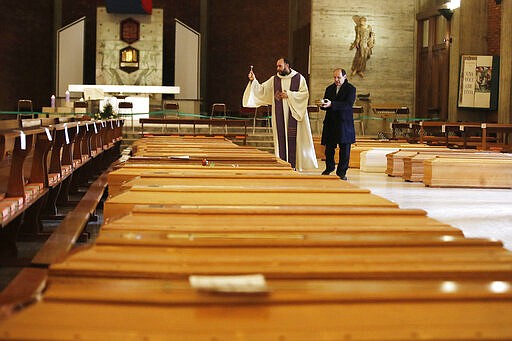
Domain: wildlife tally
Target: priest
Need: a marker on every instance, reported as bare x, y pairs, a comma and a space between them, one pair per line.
288, 94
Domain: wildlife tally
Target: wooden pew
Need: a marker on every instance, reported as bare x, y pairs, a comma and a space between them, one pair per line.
59, 168
17, 194
36, 167
441, 133
503, 141
63, 239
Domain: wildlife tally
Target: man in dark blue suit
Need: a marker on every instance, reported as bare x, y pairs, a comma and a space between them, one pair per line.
338, 127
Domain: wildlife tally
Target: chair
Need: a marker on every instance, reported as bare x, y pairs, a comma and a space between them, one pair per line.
25, 106
171, 110
219, 110
80, 107
403, 111
126, 108
358, 109
261, 113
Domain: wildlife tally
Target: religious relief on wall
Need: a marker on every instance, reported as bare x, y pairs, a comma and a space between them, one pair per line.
129, 59
129, 48
130, 30
364, 42
129, 56
478, 82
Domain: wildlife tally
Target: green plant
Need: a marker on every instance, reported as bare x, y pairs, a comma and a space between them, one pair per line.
106, 113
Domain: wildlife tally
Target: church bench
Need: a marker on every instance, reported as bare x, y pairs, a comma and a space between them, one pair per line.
267, 317
64, 237
463, 134
79, 144
124, 202
20, 192
405, 131
502, 131
262, 219
477, 172
60, 166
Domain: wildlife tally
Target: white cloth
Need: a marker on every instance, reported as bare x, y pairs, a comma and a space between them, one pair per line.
257, 94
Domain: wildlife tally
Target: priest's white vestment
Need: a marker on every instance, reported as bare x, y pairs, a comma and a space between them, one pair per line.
290, 121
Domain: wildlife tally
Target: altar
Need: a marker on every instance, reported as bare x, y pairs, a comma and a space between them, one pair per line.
138, 95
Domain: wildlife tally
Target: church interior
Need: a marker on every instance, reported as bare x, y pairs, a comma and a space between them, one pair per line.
164, 172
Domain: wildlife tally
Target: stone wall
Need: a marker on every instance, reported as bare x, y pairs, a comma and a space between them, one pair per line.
389, 76
108, 45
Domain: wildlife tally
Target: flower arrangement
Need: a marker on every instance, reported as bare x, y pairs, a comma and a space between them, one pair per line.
107, 112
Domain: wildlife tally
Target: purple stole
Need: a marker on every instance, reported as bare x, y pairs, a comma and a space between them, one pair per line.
290, 154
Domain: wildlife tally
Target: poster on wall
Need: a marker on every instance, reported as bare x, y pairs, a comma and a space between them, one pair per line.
478, 82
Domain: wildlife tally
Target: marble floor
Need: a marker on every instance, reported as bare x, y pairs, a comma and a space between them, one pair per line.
477, 212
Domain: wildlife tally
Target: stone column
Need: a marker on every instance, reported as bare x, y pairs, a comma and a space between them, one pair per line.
505, 95
204, 55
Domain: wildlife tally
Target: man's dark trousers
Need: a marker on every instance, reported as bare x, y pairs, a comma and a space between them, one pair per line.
344, 157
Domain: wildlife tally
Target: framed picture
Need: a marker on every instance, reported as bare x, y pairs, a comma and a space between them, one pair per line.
479, 82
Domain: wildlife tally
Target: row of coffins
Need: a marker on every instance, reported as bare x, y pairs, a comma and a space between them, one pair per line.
200, 251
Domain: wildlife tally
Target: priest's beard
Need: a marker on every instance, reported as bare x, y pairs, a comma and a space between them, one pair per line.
285, 72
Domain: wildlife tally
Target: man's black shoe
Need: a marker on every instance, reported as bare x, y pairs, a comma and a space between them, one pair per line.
326, 172
342, 177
